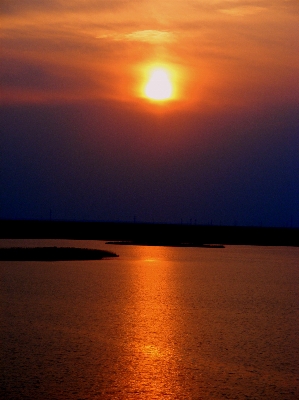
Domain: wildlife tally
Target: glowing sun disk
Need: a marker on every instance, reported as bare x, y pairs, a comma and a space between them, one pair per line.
159, 86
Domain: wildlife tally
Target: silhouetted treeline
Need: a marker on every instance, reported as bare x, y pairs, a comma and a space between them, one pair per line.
150, 233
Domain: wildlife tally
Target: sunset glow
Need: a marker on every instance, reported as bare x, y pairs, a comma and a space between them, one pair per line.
159, 86
164, 110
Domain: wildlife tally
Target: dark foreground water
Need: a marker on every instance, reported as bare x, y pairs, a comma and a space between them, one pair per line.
155, 323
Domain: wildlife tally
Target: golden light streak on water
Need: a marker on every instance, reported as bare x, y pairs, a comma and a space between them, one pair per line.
154, 368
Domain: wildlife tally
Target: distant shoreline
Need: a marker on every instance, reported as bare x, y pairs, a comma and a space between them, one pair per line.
52, 254
148, 233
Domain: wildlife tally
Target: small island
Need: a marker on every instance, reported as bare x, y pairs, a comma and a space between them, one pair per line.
166, 243
52, 254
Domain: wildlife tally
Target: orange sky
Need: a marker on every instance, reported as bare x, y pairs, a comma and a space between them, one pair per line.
223, 52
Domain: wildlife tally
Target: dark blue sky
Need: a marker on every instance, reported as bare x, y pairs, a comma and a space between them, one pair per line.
104, 162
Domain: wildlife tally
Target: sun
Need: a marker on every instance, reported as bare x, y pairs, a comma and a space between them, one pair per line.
159, 86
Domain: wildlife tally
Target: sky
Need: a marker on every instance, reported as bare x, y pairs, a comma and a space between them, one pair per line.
81, 139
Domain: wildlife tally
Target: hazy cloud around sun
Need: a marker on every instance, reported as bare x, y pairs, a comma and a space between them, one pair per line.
226, 47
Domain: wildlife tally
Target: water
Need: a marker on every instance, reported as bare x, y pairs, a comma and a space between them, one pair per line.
155, 323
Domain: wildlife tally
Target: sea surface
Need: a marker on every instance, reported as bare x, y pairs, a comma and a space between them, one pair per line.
155, 323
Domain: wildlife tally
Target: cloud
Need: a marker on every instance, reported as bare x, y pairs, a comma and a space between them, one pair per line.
240, 11
18, 7
26, 74
148, 36
151, 36
246, 7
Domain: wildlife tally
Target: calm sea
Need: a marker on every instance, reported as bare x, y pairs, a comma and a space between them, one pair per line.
155, 323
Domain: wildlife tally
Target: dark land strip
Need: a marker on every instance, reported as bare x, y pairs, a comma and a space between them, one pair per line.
149, 234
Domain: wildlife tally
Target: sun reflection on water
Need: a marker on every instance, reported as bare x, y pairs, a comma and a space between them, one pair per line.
152, 351
154, 370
